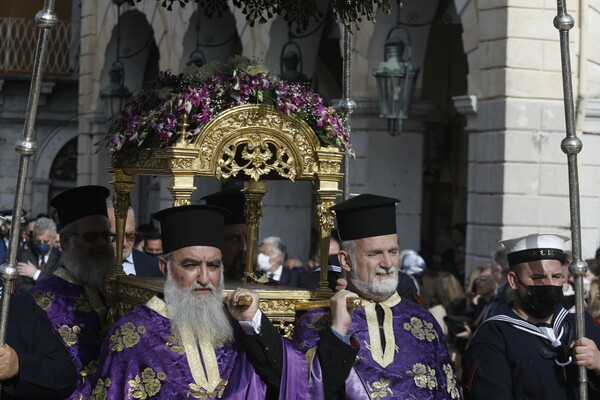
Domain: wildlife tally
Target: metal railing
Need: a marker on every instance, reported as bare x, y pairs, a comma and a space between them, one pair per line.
18, 42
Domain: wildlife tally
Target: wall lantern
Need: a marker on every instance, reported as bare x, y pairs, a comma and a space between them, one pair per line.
396, 77
115, 95
289, 61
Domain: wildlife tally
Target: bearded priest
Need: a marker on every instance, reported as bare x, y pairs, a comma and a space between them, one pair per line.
391, 348
188, 344
73, 296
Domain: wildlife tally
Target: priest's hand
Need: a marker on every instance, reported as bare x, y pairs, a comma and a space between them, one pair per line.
242, 312
341, 314
26, 269
9, 362
586, 354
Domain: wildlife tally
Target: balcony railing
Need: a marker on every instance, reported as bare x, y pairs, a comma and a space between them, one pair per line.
18, 42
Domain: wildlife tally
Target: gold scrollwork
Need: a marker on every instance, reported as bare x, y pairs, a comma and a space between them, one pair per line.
182, 163
277, 305
258, 156
325, 215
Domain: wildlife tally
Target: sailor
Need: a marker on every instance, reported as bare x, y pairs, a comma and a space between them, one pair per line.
528, 350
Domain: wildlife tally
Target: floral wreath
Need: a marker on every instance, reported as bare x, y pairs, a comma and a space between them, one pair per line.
150, 119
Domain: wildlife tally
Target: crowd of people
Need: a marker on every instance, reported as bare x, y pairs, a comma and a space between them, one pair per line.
423, 331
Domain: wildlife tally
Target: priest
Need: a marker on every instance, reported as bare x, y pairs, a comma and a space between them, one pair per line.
72, 296
188, 344
391, 348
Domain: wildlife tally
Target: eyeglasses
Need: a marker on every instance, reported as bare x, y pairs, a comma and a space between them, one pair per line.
483, 278
92, 237
128, 235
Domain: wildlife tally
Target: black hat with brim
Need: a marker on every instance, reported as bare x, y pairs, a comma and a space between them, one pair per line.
82, 201
193, 225
366, 215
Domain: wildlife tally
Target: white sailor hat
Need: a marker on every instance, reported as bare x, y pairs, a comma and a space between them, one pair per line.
537, 246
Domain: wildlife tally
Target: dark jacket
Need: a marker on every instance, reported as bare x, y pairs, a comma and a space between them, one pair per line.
45, 367
23, 284
145, 264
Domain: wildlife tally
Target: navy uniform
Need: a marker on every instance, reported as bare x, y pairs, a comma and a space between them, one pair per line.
510, 357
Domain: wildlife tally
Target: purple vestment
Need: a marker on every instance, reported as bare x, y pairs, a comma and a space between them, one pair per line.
75, 312
418, 367
141, 359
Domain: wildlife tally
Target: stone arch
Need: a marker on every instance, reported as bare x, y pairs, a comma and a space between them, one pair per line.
217, 37
45, 156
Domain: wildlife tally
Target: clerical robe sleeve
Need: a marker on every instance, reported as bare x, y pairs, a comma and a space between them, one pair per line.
486, 372
264, 351
336, 359
45, 367
330, 360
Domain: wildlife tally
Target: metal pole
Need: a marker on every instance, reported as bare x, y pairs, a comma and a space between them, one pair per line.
346, 105
571, 145
26, 147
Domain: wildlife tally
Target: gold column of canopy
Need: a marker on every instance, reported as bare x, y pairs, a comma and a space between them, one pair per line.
254, 192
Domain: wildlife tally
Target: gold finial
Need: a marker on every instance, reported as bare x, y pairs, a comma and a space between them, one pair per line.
183, 125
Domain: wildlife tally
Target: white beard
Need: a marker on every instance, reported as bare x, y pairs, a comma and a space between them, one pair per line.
204, 315
377, 289
89, 269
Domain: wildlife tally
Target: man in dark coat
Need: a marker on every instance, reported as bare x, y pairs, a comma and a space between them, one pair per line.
529, 350
34, 363
40, 259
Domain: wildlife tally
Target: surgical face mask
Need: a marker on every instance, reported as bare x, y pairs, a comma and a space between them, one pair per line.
264, 264
42, 248
540, 301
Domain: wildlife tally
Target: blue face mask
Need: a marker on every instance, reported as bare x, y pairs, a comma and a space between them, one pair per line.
42, 248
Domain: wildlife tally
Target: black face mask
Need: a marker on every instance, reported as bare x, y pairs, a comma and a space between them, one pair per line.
541, 300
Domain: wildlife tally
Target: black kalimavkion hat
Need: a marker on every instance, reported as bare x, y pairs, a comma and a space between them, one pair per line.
366, 215
80, 202
193, 225
232, 200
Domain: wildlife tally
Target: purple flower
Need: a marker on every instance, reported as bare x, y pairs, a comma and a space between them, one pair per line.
152, 117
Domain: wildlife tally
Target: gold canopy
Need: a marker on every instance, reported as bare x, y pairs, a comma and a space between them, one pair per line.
252, 143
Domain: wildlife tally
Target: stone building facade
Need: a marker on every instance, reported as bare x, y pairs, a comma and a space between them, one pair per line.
478, 161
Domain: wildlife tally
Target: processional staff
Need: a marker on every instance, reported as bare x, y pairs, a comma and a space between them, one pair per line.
26, 147
571, 145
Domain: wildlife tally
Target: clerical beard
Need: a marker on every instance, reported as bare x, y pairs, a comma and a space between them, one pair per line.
89, 268
377, 289
204, 315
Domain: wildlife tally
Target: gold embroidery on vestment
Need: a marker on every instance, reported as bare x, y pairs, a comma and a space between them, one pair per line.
126, 336
100, 391
424, 376
379, 389
89, 370
43, 299
381, 357
451, 382
198, 392
146, 385
69, 335
422, 330
92, 294
174, 344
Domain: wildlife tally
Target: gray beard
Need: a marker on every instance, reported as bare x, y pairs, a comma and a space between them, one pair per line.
89, 269
375, 288
203, 315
